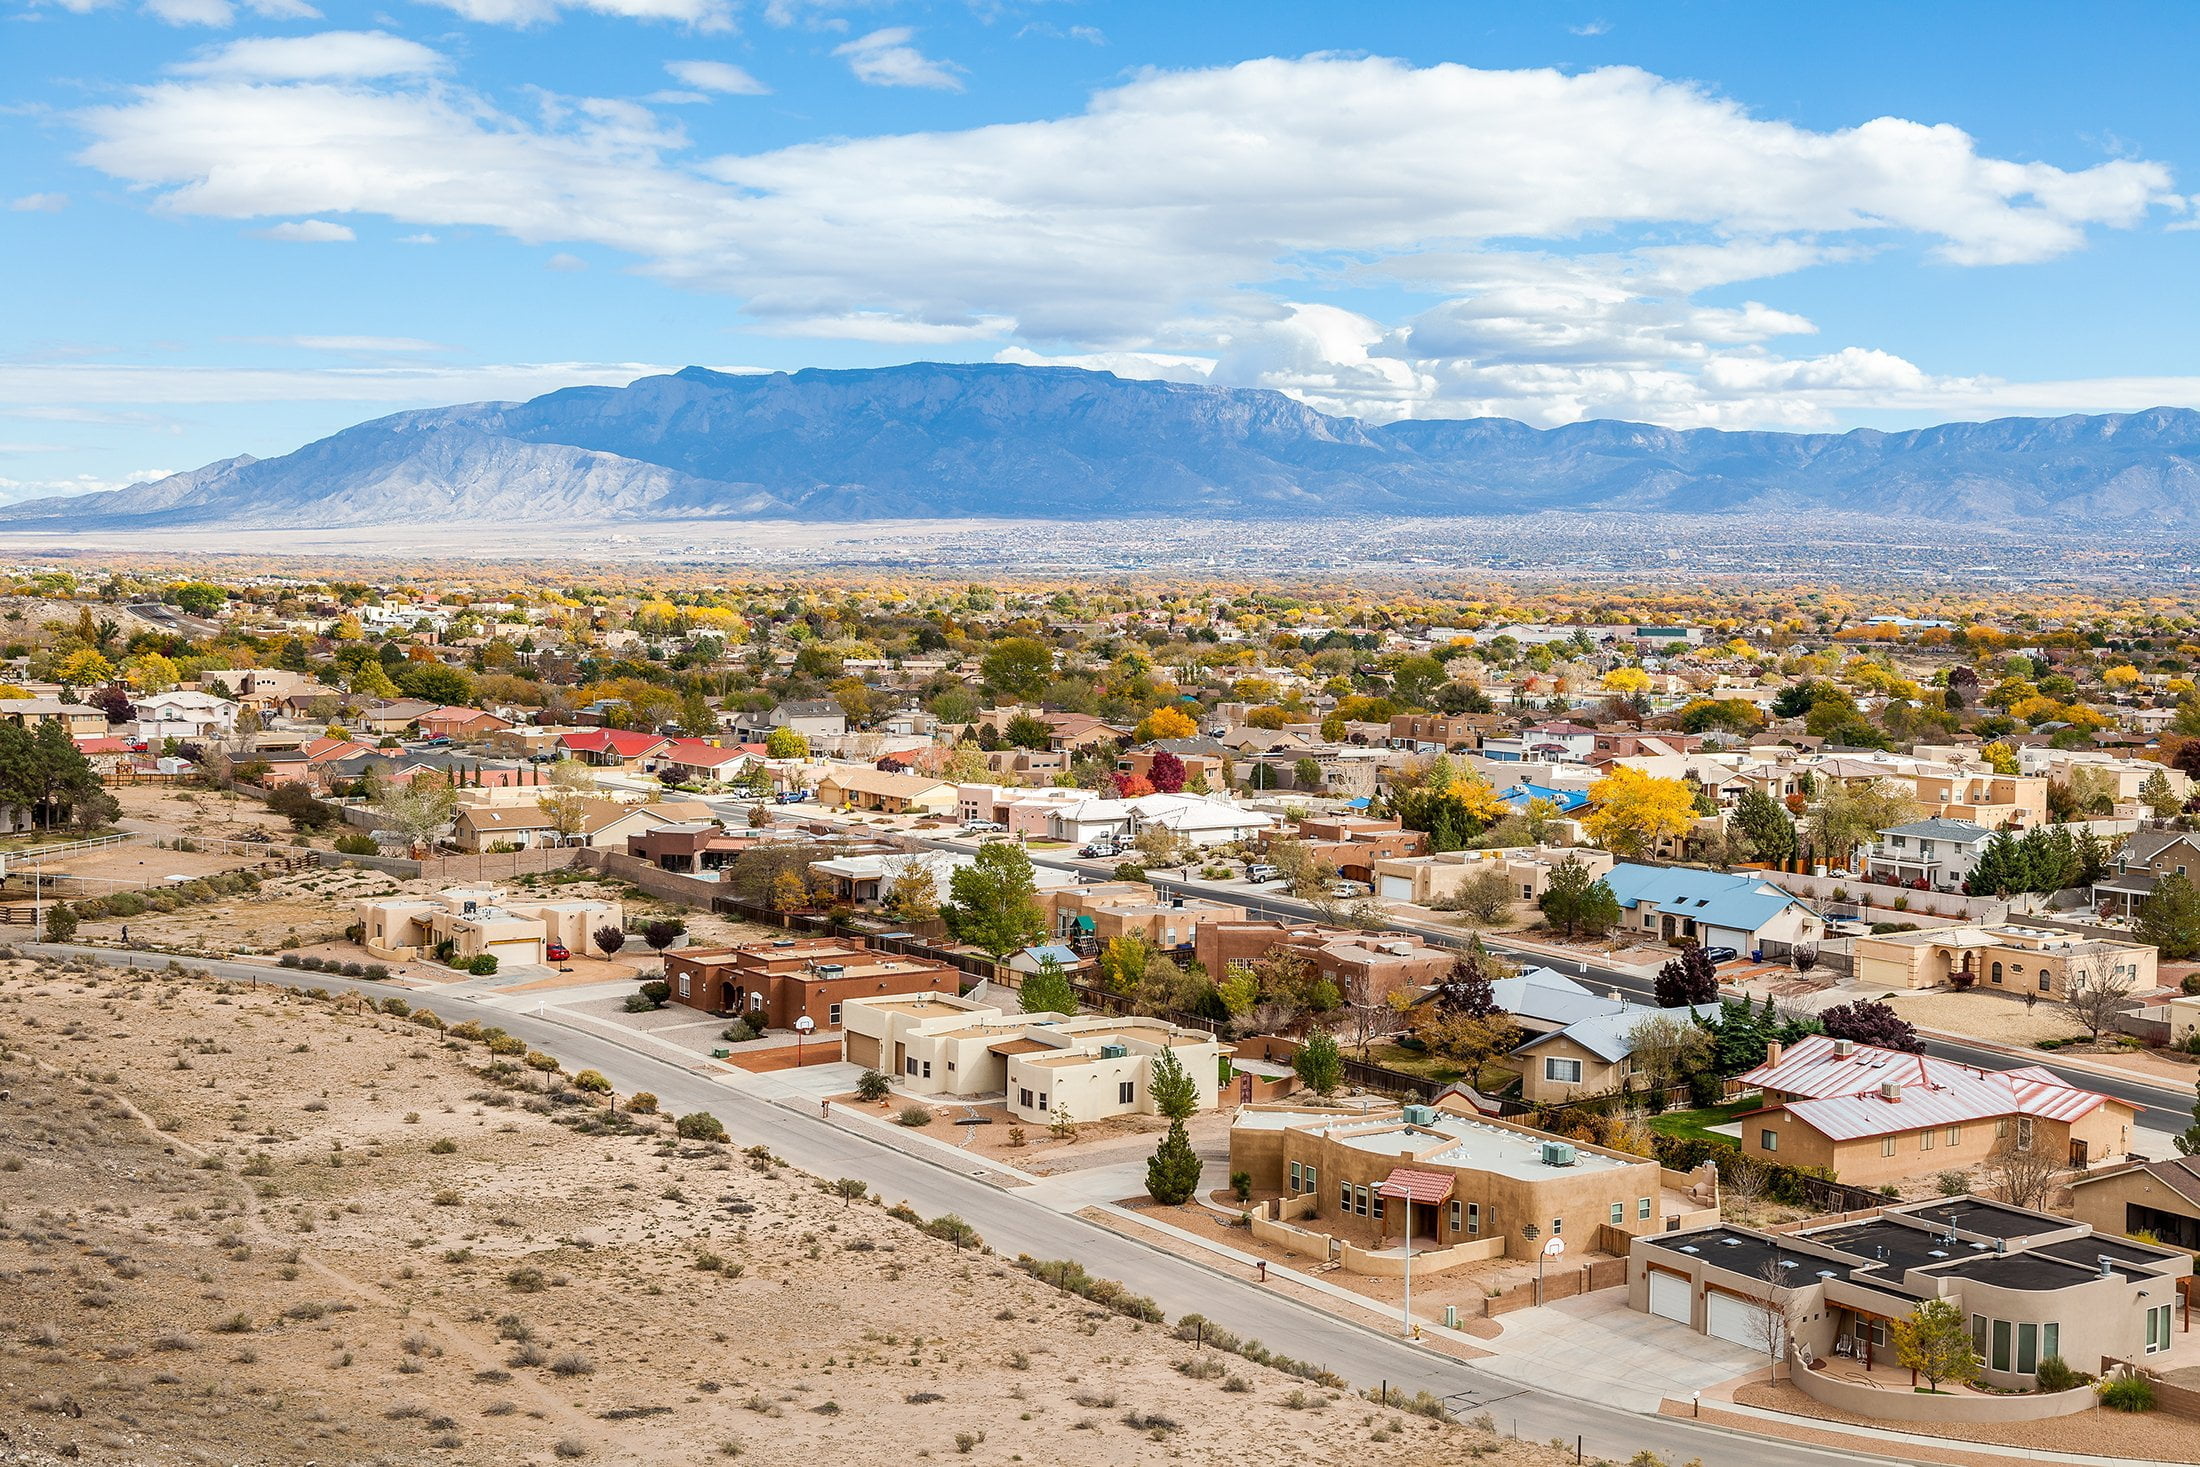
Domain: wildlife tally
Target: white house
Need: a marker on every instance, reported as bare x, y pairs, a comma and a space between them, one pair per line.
189, 717
1936, 853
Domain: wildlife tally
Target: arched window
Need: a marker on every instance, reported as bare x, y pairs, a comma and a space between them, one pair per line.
1995, 973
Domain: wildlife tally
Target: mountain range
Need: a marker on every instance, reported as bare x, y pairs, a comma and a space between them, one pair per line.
943, 441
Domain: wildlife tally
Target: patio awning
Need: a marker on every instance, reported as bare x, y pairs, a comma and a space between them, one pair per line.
1419, 1186
1084, 923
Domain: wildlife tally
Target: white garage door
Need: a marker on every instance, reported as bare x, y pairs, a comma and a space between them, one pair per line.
1670, 1297
1729, 1318
1396, 889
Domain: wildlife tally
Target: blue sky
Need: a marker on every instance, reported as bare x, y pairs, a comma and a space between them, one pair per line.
237, 225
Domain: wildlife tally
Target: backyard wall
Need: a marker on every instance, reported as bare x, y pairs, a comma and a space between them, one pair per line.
1889, 1405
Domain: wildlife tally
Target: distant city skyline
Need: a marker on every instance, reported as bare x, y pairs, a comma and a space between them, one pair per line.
235, 227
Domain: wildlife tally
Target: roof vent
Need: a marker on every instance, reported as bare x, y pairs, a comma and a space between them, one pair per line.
1843, 1048
2108, 1266
1890, 1089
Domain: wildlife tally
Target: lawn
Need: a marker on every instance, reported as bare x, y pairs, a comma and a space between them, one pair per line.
1493, 1078
1696, 1125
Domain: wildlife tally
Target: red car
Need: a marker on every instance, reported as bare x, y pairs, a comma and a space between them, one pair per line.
558, 952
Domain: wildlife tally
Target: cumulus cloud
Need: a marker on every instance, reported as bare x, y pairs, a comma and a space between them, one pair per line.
218, 13
308, 231
1201, 216
717, 76
884, 58
332, 54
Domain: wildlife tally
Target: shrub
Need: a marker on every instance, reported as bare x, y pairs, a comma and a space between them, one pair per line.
537, 1060
1070, 1277
572, 1362
1241, 1186
483, 965
658, 992
2128, 1393
642, 1103
355, 845
2056, 1375
396, 1008
593, 1082
377, 972
873, 1086
312, 963
914, 1115
700, 1125
949, 1228
355, 970
506, 1044
737, 1032
525, 1279
2190, 983
289, 960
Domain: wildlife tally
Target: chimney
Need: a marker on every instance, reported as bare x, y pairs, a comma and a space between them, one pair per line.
1843, 1048
1890, 1089
1772, 1051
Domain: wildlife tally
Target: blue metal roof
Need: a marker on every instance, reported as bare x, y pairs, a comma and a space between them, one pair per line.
1743, 902
1519, 795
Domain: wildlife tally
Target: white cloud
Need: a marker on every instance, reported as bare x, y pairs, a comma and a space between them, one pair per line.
701, 15
1201, 215
717, 76
219, 13
308, 231
332, 54
14, 491
1590, 28
564, 262
67, 386
884, 58
39, 203
356, 345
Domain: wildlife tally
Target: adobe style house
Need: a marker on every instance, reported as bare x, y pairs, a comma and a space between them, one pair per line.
1526, 869
1676, 905
1089, 917
2007, 956
772, 984
1873, 1116
689, 846
1469, 1188
2158, 1198
1436, 732
1354, 843
1365, 966
1091, 1066
477, 920
857, 787
2032, 1284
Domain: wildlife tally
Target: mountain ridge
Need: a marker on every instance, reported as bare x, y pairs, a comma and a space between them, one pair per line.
969, 440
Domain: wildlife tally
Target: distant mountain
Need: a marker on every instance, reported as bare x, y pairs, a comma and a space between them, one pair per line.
940, 441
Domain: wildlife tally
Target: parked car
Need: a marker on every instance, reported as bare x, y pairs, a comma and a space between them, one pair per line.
977, 827
558, 952
1099, 850
1721, 954
790, 797
1261, 871
1349, 889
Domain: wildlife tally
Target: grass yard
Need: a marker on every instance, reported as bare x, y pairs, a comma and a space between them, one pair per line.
1492, 1078
1695, 1125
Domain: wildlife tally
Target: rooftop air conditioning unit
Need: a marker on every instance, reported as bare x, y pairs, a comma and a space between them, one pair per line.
1843, 1048
1559, 1153
1114, 1051
830, 970
1420, 1115
1890, 1089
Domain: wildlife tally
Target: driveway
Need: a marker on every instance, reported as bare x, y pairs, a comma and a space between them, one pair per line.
1606, 1352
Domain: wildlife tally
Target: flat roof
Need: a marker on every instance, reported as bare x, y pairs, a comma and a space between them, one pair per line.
1896, 1248
2090, 1250
918, 1006
1465, 1142
1741, 1252
1990, 1219
2032, 1272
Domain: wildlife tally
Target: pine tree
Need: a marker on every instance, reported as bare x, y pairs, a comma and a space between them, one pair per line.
1770, 829
1175, 1092
1048, 991
1172, 1174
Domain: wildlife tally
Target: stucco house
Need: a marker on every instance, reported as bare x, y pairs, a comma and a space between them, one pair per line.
1675, 905
1937, 854
2008, 956
1580, 1043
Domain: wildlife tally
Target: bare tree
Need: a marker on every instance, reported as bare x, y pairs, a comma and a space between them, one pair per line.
1772, 1328
2023, 1172
2096, 986
1369, 1017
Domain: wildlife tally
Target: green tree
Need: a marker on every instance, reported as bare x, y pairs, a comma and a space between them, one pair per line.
1172, 1174
2170, 918
1175, 1092
1574, 901
1935, 1341
2187, 1141
1849, 815
995, 903
2159, 797
60, 922
435, 682
786, 743
1025, 732
1319, 1064
1306, 774
1017, 667
1770, 829
1047, 991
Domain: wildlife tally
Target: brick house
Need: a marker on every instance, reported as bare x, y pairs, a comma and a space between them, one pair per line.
774, 983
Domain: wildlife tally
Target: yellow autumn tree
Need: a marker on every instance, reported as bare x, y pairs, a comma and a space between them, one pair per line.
2121, 676
1627, 680
85, 669
1634, 811
2000, 755
1164, 723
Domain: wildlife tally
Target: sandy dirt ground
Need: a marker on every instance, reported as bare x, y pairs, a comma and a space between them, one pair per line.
242, 1226
2149, 1437
1995, 1016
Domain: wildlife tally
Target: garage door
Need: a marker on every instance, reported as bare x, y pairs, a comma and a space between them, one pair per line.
1670, 1297
1397, 889
1729, 1318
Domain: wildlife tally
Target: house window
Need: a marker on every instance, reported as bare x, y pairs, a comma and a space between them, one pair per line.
1294, 1177
2024, 1133
1023, 1098
2000, 1359
1474, 1217
1978, 1336
1642, 1207
1955, 1135
912, 1062
832, 1017
1557, 1225
927, 1069
1125, 1091
1344, 1195
1925, 1139
1458, 1215
1768, 1140
2050, 1340
1378, 1207
685, 985
2028, 1349
1562, 1069
2043, 980
1994, 973
1042, 1102
1886, 1146
950, 1063
2001, 1128
2158, 1330
1619, 1213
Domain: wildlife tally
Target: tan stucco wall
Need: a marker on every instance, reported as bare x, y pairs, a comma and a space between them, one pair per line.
1864, 1163
1597, 1076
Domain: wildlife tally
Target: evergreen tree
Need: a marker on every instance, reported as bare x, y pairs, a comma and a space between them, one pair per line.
1770, 829
1048, 991
1175, 1092
2170, 918
1172, 1174
2187, 1141
2000, 868
1320, 1067
1574, 901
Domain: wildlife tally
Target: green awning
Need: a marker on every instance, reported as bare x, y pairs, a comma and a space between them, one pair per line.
1084, 924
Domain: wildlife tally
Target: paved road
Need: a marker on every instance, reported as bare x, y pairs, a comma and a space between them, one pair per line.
1012, 1224
2161, 1107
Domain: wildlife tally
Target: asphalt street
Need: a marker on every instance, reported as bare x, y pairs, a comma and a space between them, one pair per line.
1012, 1224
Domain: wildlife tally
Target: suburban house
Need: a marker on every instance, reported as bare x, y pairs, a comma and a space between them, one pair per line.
775, 983
1365, 966
604, 824
1350, 1186
2145, 857
1935, 854
1580, 1043
813, 718
1092, 1067
80, 719
460, 724
859, 787
1871, 1115
1018, 811
2033, 1285
867, 879
1675, 905
610, 748
1067, 733
690, 847
2158, 1198
701, 762
1559, 743
1424, 880
1089, 917
478, 920
2018, 801
1354, 843
1199, 819
2007, 956
1430, 733
194, 718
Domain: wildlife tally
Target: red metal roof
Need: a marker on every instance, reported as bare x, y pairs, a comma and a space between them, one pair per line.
619, 741
1406, 1181
1877, 1092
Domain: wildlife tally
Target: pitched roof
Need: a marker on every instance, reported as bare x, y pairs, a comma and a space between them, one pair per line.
2181, 1174
626, 743
879, 782
1420, 1186
1841, 1096
1610, 1035
701, 753
1964, 832
1742, 902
